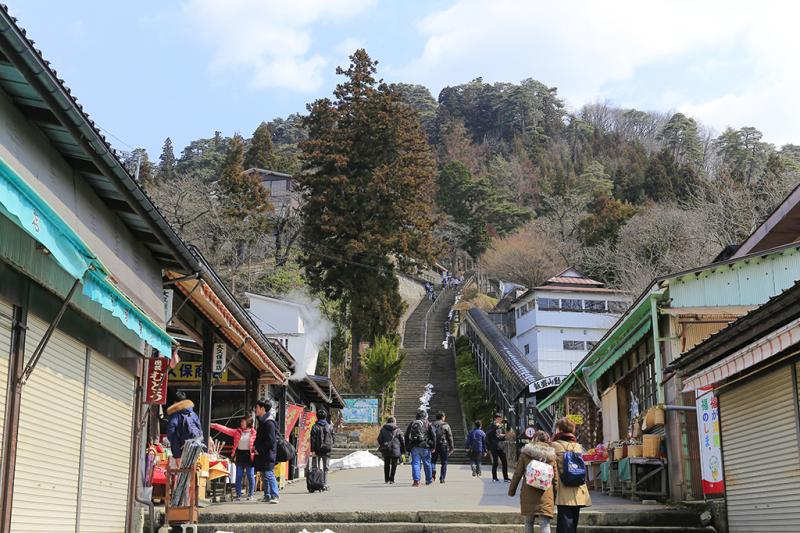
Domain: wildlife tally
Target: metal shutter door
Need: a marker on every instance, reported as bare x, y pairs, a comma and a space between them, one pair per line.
107, 447
6, 311
49, 437
760, 454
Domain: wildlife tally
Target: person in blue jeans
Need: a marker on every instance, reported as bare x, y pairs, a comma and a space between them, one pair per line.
476, 448
266, 449
421, 439
444, 445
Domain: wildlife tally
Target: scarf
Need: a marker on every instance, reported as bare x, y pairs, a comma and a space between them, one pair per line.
564, 436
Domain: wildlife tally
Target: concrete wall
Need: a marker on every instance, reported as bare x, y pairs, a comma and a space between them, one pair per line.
412, 292
25, 149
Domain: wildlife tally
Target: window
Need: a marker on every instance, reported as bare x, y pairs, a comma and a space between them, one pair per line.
590, 345
617, 307
527, 349
574, 345
548, 304
571, 305
594, 306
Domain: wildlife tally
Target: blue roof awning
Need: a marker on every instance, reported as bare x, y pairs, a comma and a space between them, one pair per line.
33, 214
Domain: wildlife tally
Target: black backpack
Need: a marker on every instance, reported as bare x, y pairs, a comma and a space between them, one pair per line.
441, 434
417, 433
326, 439
285, 451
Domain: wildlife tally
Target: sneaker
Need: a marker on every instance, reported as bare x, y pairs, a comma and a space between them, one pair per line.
506, 480
474, 473
237, 499
428, 483
415, 484
265, 499
441, 480
433, 477
495, 480
391, 482
274, 501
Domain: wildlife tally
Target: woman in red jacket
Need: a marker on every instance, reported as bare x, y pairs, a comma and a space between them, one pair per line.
244, 438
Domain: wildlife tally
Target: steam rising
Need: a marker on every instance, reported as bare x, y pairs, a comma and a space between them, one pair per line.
318, 329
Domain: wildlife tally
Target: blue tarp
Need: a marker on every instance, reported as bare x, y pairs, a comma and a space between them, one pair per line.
30, 212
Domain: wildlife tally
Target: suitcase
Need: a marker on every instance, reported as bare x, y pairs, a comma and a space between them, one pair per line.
315, 478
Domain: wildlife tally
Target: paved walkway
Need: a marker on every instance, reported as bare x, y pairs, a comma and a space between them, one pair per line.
363, 490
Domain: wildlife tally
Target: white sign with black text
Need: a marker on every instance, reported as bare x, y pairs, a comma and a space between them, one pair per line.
219, 358
546, 383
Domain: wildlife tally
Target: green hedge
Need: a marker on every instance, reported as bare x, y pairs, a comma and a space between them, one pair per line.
477, 404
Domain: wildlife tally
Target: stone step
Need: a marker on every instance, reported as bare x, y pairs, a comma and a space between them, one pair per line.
406, 527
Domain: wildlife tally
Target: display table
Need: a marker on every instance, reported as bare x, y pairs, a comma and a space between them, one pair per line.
648, 477
594, 478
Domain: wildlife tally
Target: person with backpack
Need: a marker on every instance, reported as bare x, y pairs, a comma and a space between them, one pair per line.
496, 437
444, 445
571, 490
244, 441
183, 425
476, 448
392, 446
322, 444
535, 497
421, 438
266, 449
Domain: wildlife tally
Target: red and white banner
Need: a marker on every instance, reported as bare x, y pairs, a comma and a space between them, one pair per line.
304, 440
710, 448
156, 372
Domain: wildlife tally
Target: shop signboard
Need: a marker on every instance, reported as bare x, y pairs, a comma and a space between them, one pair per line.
546, 383
191, 371
156, 370
219, 357
304, 439
710, 447
361, 410
293, 414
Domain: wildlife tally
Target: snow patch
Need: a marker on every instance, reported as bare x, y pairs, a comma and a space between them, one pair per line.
358, 459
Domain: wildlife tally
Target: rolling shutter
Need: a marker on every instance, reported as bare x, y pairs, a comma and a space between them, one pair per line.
6, 311
760, 454
107, 447
49, 437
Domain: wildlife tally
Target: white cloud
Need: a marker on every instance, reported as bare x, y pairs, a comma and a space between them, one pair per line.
270, 41
586, 47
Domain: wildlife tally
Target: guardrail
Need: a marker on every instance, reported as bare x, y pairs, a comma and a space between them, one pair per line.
428, 316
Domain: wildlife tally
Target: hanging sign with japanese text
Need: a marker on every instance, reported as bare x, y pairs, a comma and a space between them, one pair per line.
710, 446
156, 370
218, 357
191, 371
546, 383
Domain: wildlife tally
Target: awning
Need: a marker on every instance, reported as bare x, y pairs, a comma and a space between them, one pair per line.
637, 333
745, 358
21, 204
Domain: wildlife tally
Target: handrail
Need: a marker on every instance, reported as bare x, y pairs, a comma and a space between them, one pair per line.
428, 315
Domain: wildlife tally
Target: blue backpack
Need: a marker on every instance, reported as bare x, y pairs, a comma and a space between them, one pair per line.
573, 471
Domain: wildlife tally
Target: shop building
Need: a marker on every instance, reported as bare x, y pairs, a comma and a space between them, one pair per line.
557, 323
748, 373
627, 366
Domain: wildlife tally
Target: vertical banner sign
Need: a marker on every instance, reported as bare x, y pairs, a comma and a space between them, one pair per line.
709, 434
263, 391
293, 414
168, 304
304, 440
219, 358
156, 369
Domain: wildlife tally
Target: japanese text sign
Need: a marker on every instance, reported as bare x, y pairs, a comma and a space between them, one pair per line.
157, 370
191, 371
219, 357
710, 448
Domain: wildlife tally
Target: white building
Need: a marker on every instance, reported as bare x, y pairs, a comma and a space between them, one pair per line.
298, 326
560, 321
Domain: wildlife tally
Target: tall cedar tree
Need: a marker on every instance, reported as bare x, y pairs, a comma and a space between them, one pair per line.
368, 184
259, 154
166, 165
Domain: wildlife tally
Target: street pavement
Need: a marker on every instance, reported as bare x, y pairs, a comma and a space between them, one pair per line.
363, 489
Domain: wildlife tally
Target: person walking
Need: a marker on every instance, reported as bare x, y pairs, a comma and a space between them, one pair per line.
322, 444
266, 449
534, 502
476, 448
496, 436
392, 446
421, 438
244, 441
444, 446
183, 425
569, 498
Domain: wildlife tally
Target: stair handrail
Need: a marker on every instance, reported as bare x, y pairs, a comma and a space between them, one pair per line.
428, 315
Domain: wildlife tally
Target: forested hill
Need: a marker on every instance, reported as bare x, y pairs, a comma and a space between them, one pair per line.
623, 194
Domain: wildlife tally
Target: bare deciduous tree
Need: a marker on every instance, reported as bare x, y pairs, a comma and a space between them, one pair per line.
527, 257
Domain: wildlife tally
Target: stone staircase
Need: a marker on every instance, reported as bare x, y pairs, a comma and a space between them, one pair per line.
434, 365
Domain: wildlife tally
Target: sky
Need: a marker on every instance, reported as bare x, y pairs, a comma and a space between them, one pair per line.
150, 69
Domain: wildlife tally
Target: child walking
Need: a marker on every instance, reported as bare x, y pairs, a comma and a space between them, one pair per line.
535, 502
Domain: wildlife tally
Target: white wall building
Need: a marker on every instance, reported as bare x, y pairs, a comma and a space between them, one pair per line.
298, 326
560, 321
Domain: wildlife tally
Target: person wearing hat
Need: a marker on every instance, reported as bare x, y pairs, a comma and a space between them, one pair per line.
421, 439
184, 424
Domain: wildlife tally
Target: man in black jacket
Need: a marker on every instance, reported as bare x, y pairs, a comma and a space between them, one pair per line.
421, 439
322, 444
266, 449
444, 445
496, 436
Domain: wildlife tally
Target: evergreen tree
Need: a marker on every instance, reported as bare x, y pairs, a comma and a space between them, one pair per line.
244, 198
367, 194
681, 137
166, 166
259, 155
